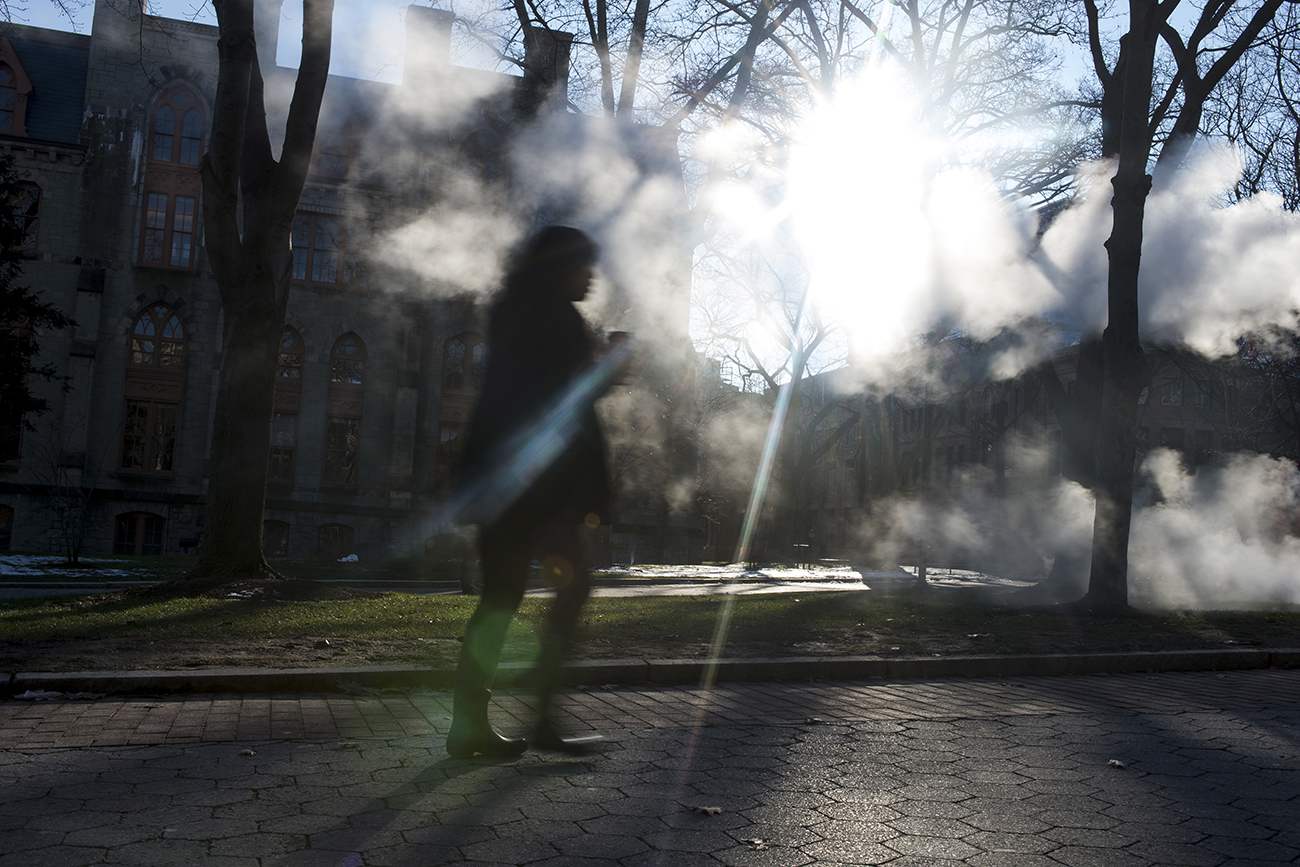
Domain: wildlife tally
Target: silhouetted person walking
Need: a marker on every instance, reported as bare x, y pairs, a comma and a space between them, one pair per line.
539, 347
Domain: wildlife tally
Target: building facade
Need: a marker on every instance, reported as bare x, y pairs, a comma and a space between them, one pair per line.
380, 359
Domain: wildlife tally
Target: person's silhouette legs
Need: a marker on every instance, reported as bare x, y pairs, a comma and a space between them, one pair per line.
505, 572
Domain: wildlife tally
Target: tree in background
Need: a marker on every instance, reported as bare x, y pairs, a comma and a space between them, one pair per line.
1146, 111
23, 315
249, 200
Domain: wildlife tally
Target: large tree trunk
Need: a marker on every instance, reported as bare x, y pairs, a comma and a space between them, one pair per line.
249, 200
1124, 369
241, 436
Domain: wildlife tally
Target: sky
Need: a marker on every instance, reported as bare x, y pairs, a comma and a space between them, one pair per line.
369, 35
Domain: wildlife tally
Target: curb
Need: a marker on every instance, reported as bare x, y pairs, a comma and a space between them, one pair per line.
664, 672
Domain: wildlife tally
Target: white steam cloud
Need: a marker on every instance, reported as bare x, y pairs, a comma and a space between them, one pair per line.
1220, 537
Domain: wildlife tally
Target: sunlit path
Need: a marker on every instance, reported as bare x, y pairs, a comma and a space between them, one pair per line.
1006, 771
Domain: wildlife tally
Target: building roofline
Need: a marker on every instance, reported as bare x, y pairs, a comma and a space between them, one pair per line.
50, 36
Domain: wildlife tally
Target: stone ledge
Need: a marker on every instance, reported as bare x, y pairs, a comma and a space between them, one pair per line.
677, 672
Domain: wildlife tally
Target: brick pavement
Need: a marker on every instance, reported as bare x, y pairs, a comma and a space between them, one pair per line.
1006, 772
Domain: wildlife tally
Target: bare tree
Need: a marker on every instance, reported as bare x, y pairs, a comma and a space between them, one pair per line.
1136, 115
249, 199
66, 481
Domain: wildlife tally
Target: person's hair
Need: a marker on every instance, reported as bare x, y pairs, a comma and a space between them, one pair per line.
538, 268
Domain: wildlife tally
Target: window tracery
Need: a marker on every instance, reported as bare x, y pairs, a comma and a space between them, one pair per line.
343, 417
169, 227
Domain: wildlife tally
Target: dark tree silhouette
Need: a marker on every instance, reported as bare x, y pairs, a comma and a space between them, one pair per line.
249, 199
23, 315
1133, 114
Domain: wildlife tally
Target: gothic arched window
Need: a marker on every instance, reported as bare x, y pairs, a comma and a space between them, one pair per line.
464, 361
343, 416
288, 399
176, 134
15, 87
155, 376
171, 200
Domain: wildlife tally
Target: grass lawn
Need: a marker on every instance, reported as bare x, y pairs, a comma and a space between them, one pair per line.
39, 568
115, 631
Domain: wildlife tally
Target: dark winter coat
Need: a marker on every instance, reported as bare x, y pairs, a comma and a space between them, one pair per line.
538, 345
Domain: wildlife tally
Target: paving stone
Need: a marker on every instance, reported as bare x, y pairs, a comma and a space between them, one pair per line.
24, 840
159, 852
931, 847
1261, 850
748, 856
1182, 854
610, 847
1008, 859
904, 777
55, 856
691, 840
1000, 842
509, 851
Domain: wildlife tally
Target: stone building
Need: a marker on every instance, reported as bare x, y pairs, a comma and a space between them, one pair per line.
381, 356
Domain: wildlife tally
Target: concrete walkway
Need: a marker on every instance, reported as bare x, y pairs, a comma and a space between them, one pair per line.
1171, 769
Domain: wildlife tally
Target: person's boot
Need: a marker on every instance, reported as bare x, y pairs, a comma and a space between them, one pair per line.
546, 680
472, 733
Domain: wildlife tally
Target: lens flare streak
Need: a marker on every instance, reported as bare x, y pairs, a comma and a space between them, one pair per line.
722, 626
522, 459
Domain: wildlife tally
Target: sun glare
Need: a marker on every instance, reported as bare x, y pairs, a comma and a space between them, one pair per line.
857, 183
894, 240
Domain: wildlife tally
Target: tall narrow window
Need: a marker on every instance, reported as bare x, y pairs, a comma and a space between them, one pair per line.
453, 368
168, 241
191, 138
182, 240
164, 129
15, 87
6, 527
155, 228
343, 415
449, 446
177, 129
1171, 392
8, 99
154, 378
288, 399
464, 362
329, 249
284, 445
170, 220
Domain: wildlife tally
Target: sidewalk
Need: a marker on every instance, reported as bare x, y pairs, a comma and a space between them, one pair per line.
1139, 769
